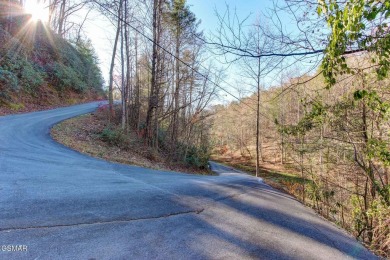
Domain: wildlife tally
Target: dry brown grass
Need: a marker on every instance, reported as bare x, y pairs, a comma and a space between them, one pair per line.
275, 175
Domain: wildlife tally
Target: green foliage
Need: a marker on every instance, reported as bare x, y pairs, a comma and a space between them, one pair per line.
314, 192
181, 16
16, 107
198, 156
30, 77
108, 135
9, 79
347, 22
358, 216
374, 102
113, 137
375, 210
313, 118
8, 83
377, 149
28, 64
15, 60
183, 22
64, 77
76, 68
91, 72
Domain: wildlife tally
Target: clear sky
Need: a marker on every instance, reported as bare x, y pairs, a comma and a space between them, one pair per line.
205, 9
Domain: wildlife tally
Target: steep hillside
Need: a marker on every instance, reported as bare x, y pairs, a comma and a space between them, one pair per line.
39, 69
324, 146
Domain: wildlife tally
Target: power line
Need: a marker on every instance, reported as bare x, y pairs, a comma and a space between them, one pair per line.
174, 56
247, 53
251, 55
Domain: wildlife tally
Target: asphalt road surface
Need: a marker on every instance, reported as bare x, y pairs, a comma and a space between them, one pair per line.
60, 204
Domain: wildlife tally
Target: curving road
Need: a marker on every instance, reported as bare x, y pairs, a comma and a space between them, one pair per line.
65, 205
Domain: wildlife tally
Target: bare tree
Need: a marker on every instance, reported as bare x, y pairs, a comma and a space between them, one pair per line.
111, 80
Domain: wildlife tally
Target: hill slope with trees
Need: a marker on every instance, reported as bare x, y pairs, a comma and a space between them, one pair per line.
164, 85
329, 127
40, 69
312, 144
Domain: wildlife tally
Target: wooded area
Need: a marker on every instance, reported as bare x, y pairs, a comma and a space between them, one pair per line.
317, 134
41, 69
330, 126
324, 116
164, 87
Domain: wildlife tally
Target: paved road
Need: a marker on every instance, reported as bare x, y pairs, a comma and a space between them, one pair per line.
65, 205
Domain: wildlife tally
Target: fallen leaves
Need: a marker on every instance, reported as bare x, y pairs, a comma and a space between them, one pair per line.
83, 134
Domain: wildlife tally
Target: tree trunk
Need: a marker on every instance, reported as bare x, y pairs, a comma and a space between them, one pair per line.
153, 99
137, 86
123, 84
175, 122
61, 18
111, 80
258, 145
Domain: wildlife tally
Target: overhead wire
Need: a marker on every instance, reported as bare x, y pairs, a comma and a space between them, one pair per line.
174, 56
202, 74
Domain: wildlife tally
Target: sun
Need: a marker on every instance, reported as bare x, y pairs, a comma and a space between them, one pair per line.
38, 10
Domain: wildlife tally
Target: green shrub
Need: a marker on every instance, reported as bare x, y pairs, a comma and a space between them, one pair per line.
8, 79
198, 156
90, 70
78, 60
8, 83
64, 77
50, 58
113, 137
30, 77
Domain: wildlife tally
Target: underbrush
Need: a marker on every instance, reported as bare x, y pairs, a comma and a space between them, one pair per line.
198, 156
94, 135
174, 154
339, 206
32, 64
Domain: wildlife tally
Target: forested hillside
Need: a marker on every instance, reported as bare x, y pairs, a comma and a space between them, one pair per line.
39, 69
322, 135
335, 141
158, 72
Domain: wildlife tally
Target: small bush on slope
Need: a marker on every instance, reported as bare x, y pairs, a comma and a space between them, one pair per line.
8, 83
64, 77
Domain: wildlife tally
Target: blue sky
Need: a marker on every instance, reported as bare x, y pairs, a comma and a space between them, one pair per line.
205, 9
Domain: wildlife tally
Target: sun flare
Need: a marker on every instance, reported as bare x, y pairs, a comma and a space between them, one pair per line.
39, 11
